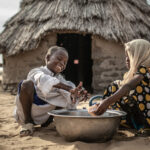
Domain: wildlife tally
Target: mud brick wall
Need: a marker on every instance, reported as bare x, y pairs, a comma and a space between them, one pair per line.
108, 63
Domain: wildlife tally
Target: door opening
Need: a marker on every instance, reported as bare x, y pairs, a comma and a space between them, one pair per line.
79, 67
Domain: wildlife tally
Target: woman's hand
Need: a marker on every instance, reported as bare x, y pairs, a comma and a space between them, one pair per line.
102, 107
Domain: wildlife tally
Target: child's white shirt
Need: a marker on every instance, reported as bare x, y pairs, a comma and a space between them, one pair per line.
44, 80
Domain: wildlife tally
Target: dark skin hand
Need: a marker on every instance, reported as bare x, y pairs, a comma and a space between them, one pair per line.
76, 93
123, 91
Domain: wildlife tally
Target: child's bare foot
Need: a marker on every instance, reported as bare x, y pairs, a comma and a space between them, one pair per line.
26, 130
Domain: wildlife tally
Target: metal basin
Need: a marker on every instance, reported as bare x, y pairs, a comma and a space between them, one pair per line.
79, 125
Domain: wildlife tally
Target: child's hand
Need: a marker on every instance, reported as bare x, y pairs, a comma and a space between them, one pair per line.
79, 92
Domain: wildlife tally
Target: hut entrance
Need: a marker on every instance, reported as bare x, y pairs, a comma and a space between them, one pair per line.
79, 66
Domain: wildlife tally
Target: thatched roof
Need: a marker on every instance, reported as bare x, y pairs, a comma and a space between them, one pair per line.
118, 20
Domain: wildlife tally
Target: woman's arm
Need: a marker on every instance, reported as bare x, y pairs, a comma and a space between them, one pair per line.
123, 91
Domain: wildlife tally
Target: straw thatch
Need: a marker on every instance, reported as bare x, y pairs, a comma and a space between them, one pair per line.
118, 20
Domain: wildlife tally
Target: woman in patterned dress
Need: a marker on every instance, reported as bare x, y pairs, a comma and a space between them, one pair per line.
132, 94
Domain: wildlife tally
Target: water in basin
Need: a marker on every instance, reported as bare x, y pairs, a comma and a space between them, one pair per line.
84, 113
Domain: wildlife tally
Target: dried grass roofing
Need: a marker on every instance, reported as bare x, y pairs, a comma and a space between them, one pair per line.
118, 20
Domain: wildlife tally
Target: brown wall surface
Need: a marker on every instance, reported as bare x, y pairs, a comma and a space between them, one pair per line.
108, 63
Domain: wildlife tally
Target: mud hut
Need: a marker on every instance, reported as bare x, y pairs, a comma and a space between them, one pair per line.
93, 32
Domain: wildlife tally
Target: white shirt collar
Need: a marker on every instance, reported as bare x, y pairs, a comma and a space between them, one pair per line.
50, 72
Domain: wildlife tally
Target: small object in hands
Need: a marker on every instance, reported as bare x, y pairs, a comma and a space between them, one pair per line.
76, 61
92, 109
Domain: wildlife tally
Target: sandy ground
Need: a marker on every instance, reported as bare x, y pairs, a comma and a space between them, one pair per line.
49, 139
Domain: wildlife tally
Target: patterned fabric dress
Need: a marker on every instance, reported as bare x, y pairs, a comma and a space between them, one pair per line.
136, 104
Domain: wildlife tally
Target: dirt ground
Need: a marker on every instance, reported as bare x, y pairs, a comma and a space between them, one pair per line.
48, 138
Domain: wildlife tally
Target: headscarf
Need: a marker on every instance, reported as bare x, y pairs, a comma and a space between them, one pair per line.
139, 54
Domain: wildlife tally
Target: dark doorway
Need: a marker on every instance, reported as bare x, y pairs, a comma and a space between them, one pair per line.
79, 66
